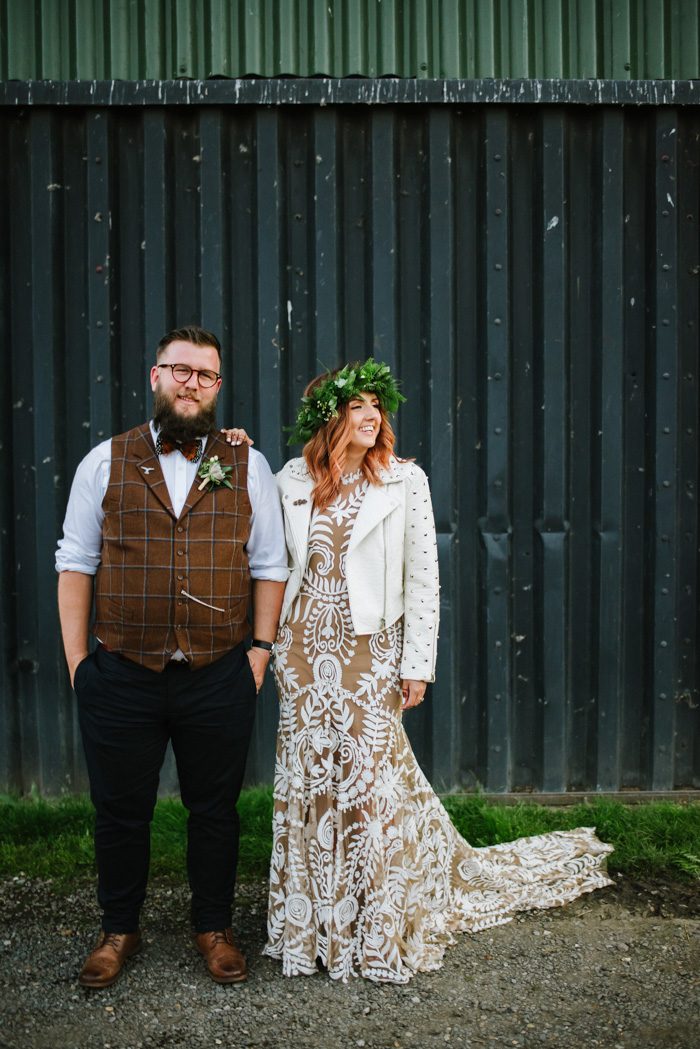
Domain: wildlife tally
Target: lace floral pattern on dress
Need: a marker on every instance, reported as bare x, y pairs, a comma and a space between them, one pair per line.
368, 875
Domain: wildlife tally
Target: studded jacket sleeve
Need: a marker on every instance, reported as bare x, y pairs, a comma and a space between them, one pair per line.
421, 582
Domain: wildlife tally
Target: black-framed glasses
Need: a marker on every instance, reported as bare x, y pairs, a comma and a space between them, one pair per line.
182, 373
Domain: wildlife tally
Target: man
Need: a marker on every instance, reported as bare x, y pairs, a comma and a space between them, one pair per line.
172, 530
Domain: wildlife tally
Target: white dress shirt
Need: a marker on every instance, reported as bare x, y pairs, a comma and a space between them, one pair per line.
80, 549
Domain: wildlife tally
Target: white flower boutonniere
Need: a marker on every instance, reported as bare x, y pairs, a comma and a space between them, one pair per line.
212, 472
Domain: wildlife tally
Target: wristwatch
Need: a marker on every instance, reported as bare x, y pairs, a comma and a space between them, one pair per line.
257, 643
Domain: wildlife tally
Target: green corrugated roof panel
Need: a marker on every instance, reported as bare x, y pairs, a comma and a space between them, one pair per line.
162, 39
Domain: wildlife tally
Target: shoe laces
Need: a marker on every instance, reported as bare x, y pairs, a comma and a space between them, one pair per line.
218, 936
112, 940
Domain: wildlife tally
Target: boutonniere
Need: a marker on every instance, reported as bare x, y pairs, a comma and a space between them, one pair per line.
212, 472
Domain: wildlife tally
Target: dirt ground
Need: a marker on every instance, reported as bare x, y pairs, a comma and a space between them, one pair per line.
619, 968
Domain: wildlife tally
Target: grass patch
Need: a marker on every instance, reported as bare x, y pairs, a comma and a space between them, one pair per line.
53, 839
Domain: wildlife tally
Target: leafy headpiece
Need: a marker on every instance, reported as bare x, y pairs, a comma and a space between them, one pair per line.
337, 389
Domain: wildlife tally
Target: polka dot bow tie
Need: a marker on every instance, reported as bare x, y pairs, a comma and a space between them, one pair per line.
192, 450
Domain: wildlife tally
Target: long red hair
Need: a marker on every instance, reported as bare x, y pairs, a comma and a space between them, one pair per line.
325, 451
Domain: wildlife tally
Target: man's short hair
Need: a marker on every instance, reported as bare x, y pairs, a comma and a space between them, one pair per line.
190, 333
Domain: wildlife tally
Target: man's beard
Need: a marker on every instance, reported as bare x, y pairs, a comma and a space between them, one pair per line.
182, 427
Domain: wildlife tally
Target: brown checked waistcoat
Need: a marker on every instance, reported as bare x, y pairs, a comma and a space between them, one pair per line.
149, 557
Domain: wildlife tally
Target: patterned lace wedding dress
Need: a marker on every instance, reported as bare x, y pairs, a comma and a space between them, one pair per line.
368, 874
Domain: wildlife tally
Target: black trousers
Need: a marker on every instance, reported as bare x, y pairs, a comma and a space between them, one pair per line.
127, 714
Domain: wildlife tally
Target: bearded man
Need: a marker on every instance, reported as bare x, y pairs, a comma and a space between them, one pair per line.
173, 531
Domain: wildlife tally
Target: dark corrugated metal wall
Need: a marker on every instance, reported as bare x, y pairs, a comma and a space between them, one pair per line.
161, 39
531, 273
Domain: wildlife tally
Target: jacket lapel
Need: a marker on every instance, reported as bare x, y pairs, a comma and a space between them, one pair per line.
377, 504
148, 464
297, 507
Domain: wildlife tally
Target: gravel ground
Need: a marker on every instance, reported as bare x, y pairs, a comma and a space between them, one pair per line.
619, 968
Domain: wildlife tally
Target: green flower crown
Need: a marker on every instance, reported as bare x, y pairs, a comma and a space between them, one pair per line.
325, 399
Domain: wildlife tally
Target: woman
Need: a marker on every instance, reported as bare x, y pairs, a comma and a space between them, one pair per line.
368, 875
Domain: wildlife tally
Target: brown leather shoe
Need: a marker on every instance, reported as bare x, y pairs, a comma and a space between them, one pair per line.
103, 965
225, 962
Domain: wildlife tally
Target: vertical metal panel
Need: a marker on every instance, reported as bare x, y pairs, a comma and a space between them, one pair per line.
41, 645
213, 186
326, 261
9, 743
516, 264
442, 333
155, 182
526, 412
664, 345
496, 523
20, 523
572, 39
610, 508
687, 269
553, 525
639, 380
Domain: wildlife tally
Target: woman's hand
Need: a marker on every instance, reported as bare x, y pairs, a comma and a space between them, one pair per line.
258, 659
236, 435
412, 692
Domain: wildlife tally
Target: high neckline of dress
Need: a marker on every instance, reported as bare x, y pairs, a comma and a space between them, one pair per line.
350, 478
